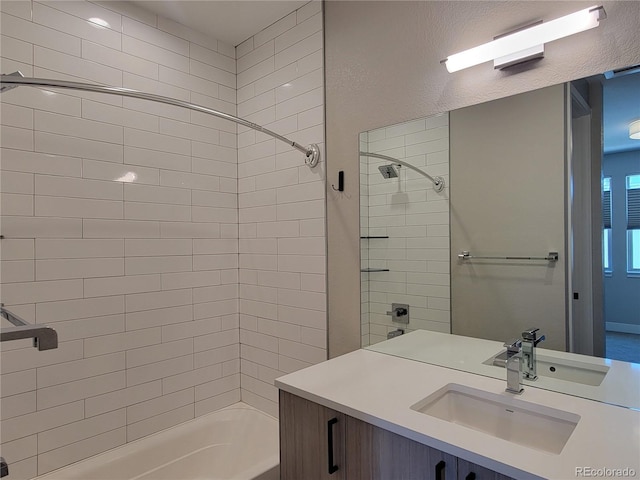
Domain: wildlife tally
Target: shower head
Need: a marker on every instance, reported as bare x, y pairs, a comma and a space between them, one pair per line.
388, 171
5, 88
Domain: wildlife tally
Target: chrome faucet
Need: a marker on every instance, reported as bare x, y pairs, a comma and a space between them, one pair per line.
44, 338
530, 340
514, 366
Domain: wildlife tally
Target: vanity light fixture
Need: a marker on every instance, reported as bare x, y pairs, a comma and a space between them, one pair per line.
525, 44
634, 130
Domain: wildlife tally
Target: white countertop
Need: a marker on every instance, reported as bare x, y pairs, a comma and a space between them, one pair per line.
379, 389
621, 384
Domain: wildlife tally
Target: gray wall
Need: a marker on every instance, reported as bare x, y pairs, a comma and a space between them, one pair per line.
621, 300
507, 191
382, 67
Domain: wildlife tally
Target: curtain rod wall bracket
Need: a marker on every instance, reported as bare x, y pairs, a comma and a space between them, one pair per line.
312, 157
438, 184
16, 79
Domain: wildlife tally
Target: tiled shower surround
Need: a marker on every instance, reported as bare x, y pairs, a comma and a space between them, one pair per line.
282, 205
415, 218
181, 259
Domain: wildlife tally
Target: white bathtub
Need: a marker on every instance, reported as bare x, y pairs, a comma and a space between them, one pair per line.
235, 443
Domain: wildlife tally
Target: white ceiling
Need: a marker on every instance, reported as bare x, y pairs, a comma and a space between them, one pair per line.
231, 21
621, 106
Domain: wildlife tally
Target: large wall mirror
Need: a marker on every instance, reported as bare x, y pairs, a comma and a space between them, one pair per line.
542, 192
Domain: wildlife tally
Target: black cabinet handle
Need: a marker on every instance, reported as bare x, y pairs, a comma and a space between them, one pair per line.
471, 476
333, 468
440, 466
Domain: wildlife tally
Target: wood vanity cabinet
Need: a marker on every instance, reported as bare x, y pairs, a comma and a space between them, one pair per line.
318, 443
311, 440
377, 454
471, 471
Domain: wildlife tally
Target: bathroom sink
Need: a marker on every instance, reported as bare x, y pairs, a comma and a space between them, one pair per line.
502, 416
562, 369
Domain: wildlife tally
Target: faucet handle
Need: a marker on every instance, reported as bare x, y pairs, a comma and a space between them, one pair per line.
399, 312
530, 334
514, 345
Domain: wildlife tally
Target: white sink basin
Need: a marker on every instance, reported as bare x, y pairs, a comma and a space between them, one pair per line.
502, 416
562, 369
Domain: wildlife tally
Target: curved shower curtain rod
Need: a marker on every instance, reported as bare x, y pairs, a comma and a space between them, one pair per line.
16, 79
438, 182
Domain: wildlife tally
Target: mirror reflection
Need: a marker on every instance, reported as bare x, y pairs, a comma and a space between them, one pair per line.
404, 229
552, 173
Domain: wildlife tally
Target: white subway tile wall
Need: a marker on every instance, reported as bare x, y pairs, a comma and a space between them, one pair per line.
281, 205
415, 219
180, 258
121, 221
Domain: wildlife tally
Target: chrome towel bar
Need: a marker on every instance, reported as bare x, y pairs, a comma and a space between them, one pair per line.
465, 255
